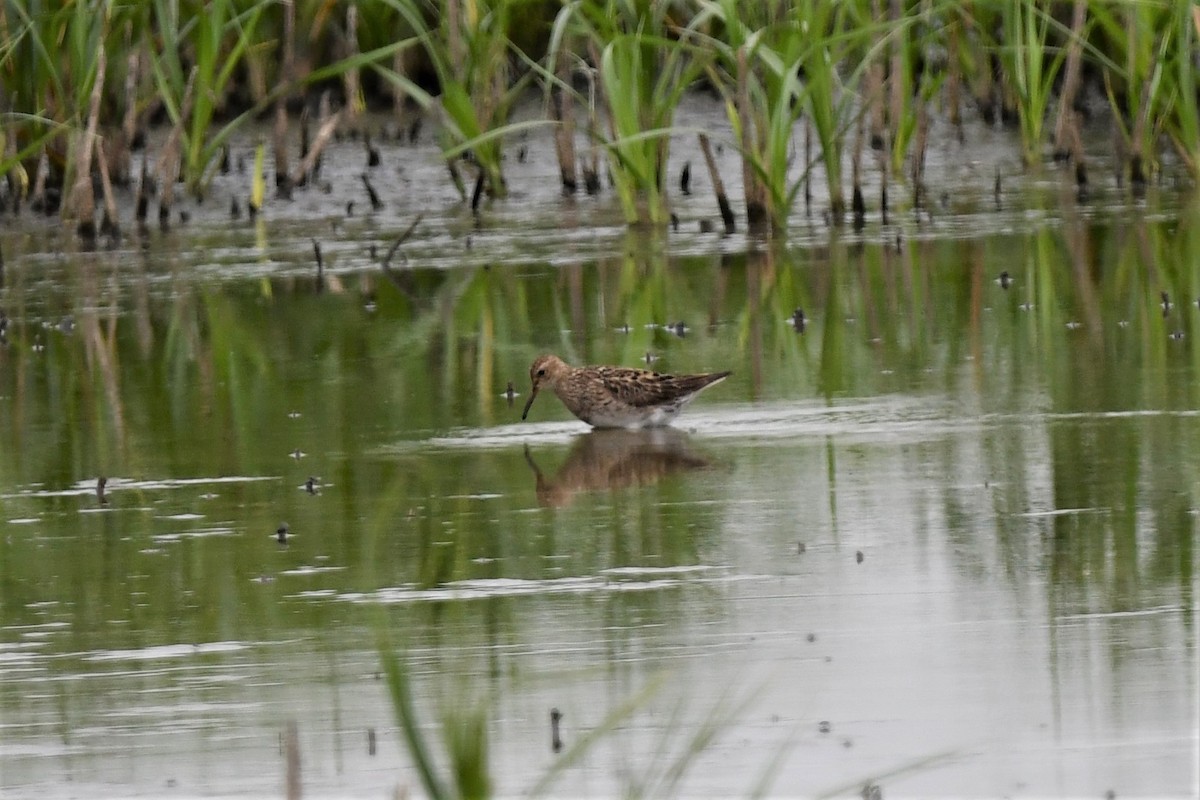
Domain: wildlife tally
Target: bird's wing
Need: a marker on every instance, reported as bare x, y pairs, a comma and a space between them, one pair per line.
642, 387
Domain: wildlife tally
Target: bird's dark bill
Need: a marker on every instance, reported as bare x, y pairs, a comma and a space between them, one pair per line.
528, 403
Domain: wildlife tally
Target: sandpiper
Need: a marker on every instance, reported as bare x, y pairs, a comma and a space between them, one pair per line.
617, 397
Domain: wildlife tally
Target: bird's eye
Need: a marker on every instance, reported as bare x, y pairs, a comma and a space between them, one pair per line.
541, 373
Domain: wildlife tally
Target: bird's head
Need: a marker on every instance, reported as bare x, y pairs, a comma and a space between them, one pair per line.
546, 370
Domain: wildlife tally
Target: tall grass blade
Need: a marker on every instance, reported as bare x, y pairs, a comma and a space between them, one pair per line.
400, 690
258, 182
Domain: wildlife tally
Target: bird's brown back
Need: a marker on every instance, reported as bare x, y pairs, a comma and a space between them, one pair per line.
641, 387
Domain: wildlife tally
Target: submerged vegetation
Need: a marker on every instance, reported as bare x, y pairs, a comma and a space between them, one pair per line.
170, 376
139, 100
464, 729
806, 86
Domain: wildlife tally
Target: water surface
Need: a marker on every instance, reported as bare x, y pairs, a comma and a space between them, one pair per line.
941, 541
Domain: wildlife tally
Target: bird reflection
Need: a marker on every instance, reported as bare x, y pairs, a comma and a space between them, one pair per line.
606, 459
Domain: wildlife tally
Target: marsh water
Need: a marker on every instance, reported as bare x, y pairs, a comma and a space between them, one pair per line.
942, 541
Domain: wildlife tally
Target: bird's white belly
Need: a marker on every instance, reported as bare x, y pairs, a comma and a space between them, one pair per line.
655, 417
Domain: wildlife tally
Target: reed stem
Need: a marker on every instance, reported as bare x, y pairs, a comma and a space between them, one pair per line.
83, 199
718, 185
168, 165
109, 223
1071, 80
757, 213
350, 78
562, 107
279, 131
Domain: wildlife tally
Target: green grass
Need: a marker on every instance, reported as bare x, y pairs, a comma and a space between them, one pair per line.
1031, 63
465, 771
216, 41
777, 66
469, 51
645, 61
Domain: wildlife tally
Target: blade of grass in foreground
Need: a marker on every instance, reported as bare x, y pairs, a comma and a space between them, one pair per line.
585, 743
904, 769
466, 741
673, 755
400, 689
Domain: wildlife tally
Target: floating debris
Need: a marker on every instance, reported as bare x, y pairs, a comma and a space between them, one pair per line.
320, 264
555, 740
718, 185
477, 193
824, 727
858, 556
376, 203
372, 152
298, 454
387, 260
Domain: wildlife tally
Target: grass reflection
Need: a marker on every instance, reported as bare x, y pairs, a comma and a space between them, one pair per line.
1053, 459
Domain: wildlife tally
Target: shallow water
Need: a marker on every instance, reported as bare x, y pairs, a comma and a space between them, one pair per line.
942, 541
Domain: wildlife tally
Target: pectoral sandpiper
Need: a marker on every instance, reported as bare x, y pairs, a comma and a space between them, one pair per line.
617, 397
